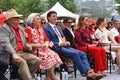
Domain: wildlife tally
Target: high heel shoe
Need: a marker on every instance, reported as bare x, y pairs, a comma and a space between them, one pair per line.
104, 74
91, 75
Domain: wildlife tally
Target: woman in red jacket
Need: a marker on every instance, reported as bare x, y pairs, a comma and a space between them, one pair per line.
83, 39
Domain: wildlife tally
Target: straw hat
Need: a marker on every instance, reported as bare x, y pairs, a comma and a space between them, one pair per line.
12, 13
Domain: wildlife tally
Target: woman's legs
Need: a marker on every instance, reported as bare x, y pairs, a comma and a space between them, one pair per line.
117, 50
118, 60
48, 76
51, 75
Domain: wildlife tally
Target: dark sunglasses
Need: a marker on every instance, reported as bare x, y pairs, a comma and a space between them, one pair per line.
43, 22
69, 22
21, 23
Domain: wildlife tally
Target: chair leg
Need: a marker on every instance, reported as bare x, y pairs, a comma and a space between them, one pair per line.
75, 70
60, 72
10, 67
110, 59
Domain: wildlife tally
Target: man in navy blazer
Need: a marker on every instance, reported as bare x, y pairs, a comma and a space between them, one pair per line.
78, 57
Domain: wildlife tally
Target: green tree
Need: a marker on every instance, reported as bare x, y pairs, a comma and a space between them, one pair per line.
118, 9
68, 4
8, 4
23, 7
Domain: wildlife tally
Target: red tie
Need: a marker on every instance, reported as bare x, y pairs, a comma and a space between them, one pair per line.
57, 32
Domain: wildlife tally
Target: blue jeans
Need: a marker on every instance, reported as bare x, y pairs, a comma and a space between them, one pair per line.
78, 57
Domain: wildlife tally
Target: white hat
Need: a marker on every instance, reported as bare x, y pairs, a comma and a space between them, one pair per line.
12, 13
31, 18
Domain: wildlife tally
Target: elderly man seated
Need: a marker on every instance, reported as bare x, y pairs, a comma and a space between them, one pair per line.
13, 42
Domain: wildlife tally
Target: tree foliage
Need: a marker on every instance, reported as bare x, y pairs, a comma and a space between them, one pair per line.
23, 7
118, 9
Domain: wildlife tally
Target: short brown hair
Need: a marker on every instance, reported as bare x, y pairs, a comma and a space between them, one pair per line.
49, 14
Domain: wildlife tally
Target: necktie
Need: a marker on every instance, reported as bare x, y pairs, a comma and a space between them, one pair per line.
57, 32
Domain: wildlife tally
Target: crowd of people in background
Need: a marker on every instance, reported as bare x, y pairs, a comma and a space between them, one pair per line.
39, 43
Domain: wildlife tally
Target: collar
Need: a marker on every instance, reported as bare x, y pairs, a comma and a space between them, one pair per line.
69, 28
15, 27
52, 25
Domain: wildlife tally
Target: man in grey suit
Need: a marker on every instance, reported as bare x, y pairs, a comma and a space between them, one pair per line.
12, 41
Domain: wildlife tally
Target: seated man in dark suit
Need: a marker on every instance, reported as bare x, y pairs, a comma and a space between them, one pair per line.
69, 30
56, 35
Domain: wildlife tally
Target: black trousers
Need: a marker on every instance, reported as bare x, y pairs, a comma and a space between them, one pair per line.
4, 62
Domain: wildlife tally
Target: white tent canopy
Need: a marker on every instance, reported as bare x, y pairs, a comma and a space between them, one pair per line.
61, 11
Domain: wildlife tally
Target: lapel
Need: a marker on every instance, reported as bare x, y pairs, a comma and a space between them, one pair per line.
52, 31
69, 33
22, 36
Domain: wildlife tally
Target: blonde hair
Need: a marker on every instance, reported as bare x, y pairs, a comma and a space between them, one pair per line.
80, 24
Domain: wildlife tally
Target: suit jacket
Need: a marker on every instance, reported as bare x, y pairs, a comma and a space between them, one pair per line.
68, 35
8, 41
52, 35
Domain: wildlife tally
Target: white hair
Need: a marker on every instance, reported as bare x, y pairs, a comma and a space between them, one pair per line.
31, 18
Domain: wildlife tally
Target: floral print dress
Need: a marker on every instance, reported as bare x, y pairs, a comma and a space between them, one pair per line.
48, 57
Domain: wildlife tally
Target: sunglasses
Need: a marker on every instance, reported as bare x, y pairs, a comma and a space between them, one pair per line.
43, 22
69, 22
21, 23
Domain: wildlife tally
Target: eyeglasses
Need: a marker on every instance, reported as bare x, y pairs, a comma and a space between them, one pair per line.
86, 19
21, 23
43, 22
69, 22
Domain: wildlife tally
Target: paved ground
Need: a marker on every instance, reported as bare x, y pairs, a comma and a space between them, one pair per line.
113, 76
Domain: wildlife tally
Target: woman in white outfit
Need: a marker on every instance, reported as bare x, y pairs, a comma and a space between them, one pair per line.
105, 38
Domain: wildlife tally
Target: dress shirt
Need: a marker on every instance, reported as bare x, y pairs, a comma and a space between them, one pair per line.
20, 46
71, 31
60, 40
114, 32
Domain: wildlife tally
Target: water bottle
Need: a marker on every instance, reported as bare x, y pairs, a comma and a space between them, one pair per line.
64, 75
37, 77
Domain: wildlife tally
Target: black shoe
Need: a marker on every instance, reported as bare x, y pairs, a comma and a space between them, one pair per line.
99, 77
4, 78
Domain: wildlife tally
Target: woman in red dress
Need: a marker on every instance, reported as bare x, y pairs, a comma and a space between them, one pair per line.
37, 37
83, 39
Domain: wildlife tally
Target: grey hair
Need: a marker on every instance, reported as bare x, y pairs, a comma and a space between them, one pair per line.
31, 17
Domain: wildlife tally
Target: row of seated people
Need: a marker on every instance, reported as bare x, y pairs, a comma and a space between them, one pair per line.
83, 38
36, 35
85, 43
56, 35
13, 41
26, 62
33, 38
106, 37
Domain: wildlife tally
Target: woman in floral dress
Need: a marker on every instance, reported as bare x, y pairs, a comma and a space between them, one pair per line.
37, 37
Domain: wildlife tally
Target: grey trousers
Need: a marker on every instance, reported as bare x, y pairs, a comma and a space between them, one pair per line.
28, 66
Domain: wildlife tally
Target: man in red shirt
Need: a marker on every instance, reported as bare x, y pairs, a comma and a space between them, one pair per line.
13, 42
